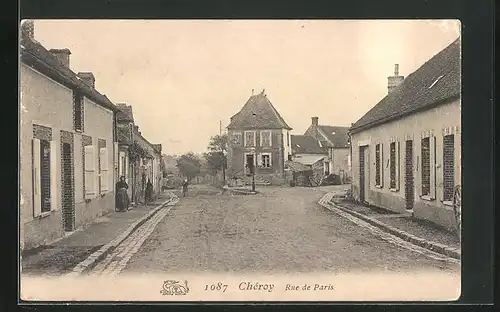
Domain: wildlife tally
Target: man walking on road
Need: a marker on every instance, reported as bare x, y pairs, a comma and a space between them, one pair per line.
185, 187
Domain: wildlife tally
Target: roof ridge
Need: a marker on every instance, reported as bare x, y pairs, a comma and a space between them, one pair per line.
414, 92
275, 111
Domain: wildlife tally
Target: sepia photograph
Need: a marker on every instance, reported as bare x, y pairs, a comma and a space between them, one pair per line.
240, 160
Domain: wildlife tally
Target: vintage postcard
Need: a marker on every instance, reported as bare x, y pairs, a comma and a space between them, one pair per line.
240, 160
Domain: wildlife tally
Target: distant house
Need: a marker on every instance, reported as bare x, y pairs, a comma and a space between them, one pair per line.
259, 135
146, 165
307, 151
125, 128
67, 145
335, 141
406, 149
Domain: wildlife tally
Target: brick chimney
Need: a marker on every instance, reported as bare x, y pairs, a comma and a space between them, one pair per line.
394, 81
314, 127
28, 28
62, 55
88, 78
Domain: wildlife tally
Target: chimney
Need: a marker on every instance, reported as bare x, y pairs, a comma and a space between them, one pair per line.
88, 78
62, 55
314, 121
314, 127
394, 81
28, 28
252, 91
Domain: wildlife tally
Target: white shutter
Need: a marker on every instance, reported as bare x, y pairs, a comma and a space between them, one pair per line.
271, 138
432, 148
397, 165
104, 176
270, 160
37, 195
54, 188
381, 164
89, 159
259, 160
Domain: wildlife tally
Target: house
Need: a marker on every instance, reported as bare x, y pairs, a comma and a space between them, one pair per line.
124, 129
406, 149
306, 149
335, 140
138, 160
146, 165
67, 145
258, 135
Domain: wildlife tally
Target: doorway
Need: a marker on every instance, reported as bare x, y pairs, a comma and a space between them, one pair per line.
68, 198
250, 161
364, 174
409, 179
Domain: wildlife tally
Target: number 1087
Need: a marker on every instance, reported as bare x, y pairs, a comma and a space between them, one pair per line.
216, 287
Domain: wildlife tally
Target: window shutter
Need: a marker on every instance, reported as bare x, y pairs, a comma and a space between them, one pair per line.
397, 165
432, 148
381, 165
104, 176
270, 138
90, 185
54, 189
270, 160
37, 197
259, 160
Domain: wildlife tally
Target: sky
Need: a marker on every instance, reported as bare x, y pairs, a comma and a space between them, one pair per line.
184, 78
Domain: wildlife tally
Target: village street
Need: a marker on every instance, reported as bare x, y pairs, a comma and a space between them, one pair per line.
278, 230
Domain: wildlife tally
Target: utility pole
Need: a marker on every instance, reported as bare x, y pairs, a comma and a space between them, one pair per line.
220, 127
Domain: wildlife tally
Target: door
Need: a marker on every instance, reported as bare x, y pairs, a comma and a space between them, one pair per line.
68, 198
409, 179
249, 162
362, 176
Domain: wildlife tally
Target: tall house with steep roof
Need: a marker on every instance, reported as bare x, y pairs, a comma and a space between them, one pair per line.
259, 135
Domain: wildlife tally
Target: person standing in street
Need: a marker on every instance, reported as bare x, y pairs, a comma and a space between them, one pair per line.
185, 187
122, 201
149, 192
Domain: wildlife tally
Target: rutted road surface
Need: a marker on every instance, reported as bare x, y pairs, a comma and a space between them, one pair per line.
280, 230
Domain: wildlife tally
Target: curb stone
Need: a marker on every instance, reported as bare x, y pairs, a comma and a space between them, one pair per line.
432, 246
100, 254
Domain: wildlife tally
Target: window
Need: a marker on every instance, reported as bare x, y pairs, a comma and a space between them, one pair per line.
379, 165
44, 162
250, 138
394, 166
102, 167
265, 161
89, 171
448, 167
265, 138
78, 111
428, 167
236, 139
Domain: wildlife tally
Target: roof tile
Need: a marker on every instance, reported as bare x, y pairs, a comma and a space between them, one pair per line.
258, 113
